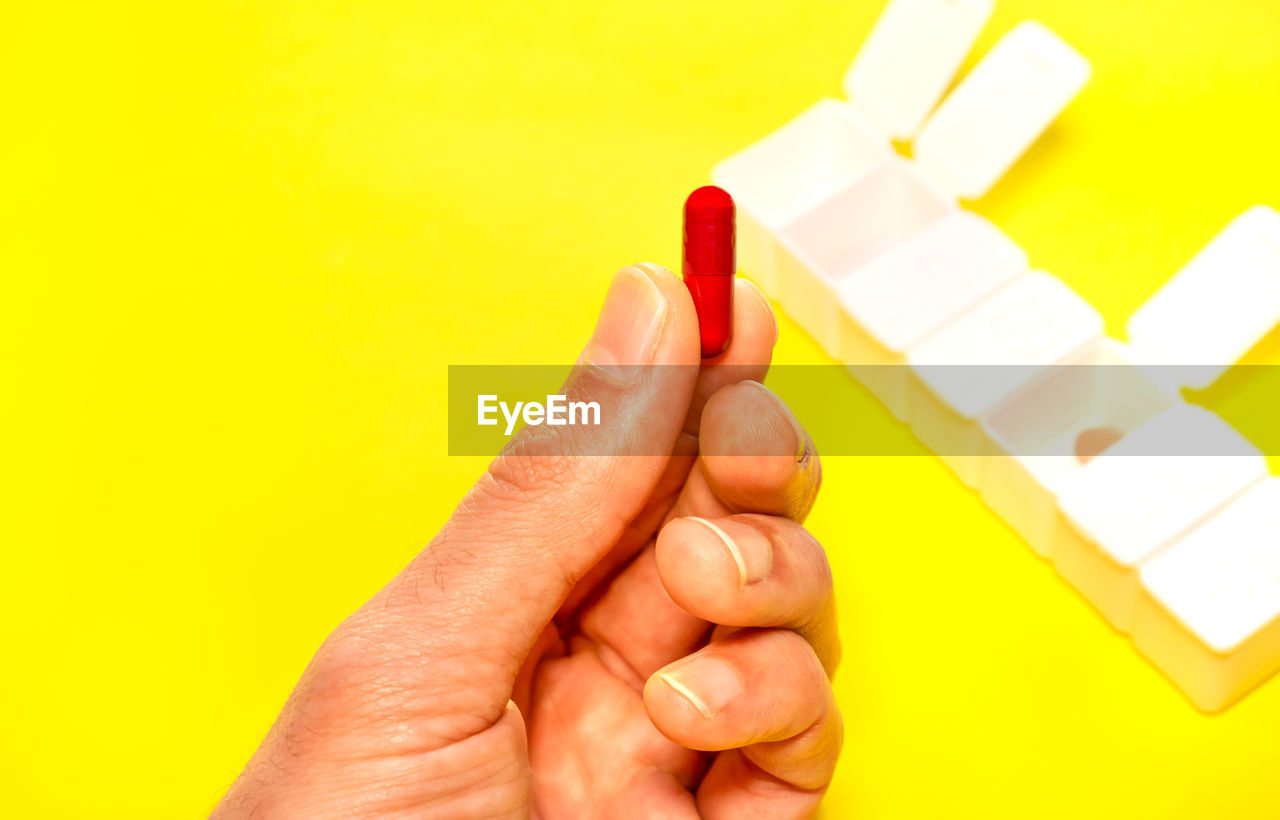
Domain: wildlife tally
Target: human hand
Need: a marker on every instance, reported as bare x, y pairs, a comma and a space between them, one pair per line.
633, 634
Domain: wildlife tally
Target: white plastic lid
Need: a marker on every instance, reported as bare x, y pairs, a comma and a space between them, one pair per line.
1131, 500
1223, 580
999, 110
909, 58
1218, 306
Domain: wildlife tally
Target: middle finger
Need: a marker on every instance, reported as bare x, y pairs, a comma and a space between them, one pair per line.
752, 571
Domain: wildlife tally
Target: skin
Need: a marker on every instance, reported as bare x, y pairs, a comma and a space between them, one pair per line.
644, 631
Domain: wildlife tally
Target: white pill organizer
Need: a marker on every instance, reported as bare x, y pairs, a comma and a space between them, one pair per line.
872, 254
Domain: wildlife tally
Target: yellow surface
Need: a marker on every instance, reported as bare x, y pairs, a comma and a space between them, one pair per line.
241, 241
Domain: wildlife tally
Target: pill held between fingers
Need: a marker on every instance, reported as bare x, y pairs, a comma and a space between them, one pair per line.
710, 264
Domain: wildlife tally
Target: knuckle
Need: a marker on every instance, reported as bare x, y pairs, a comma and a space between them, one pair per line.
811, 555
817, 559
517, 475
793, 646
354, 660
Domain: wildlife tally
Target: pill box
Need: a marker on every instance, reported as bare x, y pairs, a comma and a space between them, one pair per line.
805, 232
1084, 444
963, 148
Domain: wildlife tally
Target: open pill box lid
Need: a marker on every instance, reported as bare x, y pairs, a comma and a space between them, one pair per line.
909, 58
1222, 303
999, 110
994, 114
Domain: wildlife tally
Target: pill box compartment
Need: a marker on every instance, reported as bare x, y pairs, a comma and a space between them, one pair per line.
832, 240
910, 291
1049, 431
974, 365
787, 172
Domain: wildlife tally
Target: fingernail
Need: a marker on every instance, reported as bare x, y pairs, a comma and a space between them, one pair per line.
707, 682
748, 547
802, 441
630, 324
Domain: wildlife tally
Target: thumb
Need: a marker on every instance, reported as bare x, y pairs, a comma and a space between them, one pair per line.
558, 497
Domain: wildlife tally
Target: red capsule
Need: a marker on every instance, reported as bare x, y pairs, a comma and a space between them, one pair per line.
709, 264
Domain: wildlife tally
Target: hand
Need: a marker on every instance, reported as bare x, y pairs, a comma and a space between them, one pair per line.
647, 633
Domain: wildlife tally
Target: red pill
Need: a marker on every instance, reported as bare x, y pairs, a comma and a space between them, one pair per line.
709, 265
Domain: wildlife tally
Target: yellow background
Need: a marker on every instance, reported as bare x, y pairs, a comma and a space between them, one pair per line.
241, 241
